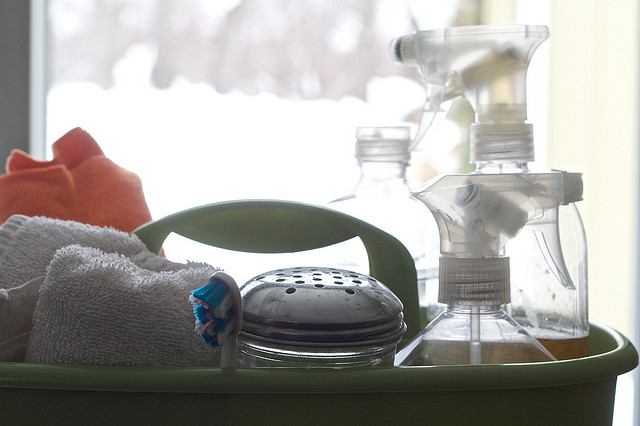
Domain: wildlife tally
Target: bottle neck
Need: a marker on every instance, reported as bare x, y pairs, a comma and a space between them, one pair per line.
475, 309
490, 167
383, 171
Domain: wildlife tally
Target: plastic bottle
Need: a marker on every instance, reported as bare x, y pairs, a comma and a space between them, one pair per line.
383, 198
488, 66
549, 278
474, 328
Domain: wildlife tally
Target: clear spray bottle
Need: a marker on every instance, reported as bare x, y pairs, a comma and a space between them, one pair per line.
477, 215
488, 65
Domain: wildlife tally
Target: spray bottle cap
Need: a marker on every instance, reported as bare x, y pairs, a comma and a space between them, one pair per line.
383, 144
488, 65
474, 281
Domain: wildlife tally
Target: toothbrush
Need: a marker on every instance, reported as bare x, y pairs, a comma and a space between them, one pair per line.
218, 310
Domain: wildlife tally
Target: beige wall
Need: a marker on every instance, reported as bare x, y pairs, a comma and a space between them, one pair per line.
593, 128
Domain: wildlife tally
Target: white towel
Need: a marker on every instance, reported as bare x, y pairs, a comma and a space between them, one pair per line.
101, 308
27, 246
16, 310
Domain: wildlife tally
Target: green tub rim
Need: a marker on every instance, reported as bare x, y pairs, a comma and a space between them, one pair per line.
612, 355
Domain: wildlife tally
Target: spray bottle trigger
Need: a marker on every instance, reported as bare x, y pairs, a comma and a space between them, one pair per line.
547, 233
432, 112
428, 118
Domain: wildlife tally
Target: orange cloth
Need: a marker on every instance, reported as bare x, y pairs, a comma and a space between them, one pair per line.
79, 184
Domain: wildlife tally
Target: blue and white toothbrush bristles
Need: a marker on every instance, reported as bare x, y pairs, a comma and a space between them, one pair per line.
218, 311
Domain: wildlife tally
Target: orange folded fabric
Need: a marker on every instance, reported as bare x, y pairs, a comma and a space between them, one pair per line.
79, 184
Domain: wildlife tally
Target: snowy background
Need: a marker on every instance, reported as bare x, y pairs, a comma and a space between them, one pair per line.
218, 100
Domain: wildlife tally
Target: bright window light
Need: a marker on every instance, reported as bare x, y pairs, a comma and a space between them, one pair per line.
212, 101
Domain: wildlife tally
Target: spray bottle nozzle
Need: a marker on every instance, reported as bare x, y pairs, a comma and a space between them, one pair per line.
487, 65
478, 214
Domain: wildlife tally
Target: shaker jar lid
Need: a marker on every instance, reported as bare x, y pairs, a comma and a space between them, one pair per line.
318, 306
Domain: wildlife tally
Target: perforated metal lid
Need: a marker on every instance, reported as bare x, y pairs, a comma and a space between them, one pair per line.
310, 306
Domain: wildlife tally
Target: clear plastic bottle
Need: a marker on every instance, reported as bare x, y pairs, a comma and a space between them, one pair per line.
382, 197
549, 273
474, 328
551, 309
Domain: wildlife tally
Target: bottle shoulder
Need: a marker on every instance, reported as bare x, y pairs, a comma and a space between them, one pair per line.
452, 339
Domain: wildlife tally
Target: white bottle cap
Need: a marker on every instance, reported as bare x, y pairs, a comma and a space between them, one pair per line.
501, 143
383, 144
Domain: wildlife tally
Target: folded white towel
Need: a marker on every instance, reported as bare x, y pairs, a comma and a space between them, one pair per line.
101, 308
16, 312
27, 246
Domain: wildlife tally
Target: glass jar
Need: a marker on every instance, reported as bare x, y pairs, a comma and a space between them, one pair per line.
311, 317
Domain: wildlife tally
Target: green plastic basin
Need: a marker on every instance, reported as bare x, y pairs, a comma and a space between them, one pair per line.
572, 392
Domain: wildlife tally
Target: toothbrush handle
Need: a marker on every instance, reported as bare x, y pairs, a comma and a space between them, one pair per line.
228, 353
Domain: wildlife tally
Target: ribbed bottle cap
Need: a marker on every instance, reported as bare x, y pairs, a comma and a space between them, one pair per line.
474, 281
383, 143
501, 142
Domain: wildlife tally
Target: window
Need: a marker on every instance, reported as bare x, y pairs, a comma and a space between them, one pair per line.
212, 101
